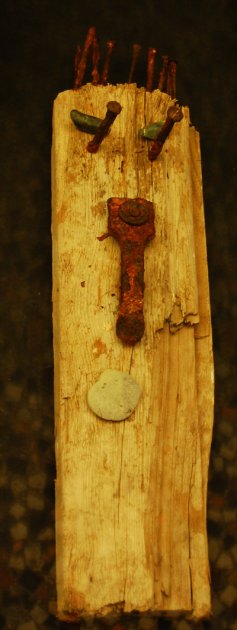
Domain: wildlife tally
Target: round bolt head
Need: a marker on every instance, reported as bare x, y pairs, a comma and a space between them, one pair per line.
134, 212
175, 113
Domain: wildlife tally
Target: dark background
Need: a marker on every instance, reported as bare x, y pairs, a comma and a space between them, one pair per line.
38, 42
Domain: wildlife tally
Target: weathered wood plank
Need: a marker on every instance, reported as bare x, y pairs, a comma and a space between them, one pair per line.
130, 496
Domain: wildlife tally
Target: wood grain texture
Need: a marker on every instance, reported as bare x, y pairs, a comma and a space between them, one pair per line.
130, 496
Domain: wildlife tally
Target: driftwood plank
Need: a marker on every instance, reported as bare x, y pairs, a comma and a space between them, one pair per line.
130, 496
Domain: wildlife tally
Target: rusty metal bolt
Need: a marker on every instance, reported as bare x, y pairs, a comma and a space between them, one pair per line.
134, 212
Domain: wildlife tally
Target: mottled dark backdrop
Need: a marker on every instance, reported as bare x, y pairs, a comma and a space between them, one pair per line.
38, 41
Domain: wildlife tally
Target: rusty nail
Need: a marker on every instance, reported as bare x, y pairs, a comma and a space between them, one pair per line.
150, 68
76, 64
95, 61
171, 79
174, 114
163, 72
81, 67
110, 46
113, 109
136, 49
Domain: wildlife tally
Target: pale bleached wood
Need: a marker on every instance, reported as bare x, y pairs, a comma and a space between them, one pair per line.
130, 496
204, 381
203, 331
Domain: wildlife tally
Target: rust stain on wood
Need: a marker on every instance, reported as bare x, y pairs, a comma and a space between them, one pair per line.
99, 348
62, 213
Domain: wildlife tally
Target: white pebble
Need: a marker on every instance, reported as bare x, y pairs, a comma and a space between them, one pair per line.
114, 396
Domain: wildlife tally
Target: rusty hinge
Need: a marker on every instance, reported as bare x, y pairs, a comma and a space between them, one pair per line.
131, 223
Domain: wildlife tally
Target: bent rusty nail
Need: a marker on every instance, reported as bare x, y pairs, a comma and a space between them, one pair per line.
113, 109
103, 236
174, 114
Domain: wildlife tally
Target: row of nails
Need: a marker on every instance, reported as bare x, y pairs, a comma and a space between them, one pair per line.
167, 75
158, 131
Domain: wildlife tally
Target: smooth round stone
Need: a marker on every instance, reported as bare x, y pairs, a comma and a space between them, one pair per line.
114, 396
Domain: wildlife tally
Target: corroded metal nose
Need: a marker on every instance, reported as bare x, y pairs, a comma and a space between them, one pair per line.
131, 223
